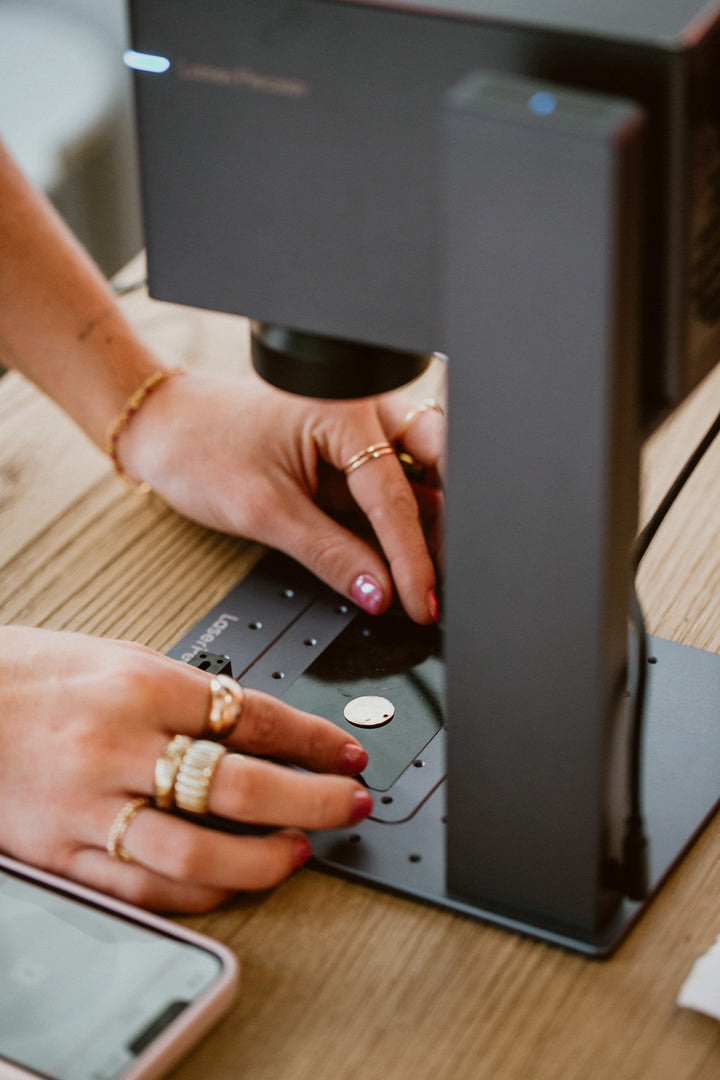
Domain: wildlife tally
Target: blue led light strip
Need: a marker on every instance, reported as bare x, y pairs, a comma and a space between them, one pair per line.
140, 61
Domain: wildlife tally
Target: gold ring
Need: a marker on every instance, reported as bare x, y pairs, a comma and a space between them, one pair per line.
431, 405
192, 784
166, 769
370, 453
119, 827
227, 699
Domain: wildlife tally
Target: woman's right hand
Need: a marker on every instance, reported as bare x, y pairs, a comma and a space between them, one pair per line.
83, 721
272, 467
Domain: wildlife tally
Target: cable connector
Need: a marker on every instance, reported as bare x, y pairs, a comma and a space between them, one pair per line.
628, 875
635, 860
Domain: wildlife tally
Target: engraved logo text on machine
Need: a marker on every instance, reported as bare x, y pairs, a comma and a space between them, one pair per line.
259, 81
213, 631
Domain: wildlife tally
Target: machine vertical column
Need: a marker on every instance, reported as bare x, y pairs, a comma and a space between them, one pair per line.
540, 302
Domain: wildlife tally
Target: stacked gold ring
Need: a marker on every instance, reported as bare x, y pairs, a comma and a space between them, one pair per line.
167, 767
194, 775
370, 453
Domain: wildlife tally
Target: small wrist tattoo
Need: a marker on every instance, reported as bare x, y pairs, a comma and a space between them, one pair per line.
94, 323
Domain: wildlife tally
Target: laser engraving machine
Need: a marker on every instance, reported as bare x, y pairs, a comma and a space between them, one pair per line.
531, 187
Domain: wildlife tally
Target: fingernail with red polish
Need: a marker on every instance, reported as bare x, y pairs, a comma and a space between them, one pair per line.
303, 851
433, 605
367, 594
362, 806
353, 759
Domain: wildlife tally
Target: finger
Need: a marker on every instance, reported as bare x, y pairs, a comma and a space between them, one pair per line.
382, 491
269, 727
144, 888
189, 853
258, 792
248, 790
174, 694
431, 503
421, 430
266, 726
178, 697
336, 556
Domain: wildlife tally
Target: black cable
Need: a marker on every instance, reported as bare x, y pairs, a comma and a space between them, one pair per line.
634, 852
646, 535
634, 859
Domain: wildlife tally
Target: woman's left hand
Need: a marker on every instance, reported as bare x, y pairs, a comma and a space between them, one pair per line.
250, 460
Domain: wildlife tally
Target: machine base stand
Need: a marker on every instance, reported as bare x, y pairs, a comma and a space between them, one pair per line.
279, 623
681, 785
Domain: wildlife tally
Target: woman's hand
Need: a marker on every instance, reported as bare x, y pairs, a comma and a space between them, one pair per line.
82, 723
233, 454
242, 457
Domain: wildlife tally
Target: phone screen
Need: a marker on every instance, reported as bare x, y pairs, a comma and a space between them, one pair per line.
82, 990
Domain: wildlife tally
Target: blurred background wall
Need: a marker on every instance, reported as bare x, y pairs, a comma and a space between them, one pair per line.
66, 115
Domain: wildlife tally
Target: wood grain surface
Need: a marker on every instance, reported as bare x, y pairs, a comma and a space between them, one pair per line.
341, 982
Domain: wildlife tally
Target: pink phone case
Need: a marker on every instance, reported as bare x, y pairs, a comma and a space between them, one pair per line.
181, 1034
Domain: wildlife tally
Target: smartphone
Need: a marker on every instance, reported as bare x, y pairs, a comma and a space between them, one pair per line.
95, 989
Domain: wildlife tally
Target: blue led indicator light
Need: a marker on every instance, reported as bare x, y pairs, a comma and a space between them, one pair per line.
542, 103
141, 61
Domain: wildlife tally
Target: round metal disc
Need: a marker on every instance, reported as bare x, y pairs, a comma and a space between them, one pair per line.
369, 711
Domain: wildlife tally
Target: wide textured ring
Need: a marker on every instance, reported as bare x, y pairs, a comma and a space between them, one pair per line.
370, 453
166, 769
197, 768
119, 827
227, 699
431, 405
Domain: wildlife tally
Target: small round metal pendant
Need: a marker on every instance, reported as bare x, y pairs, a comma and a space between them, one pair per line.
369, 711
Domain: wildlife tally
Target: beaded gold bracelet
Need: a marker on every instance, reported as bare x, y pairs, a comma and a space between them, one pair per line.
133, 404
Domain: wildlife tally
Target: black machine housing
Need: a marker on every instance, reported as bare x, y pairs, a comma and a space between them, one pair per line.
292, 156
531, 187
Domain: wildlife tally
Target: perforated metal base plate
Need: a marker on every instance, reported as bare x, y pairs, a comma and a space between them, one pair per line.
286, 634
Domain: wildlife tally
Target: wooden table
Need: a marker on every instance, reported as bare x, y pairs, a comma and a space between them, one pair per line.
341, 982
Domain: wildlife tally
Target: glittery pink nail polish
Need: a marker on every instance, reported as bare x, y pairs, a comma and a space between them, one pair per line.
367, 594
